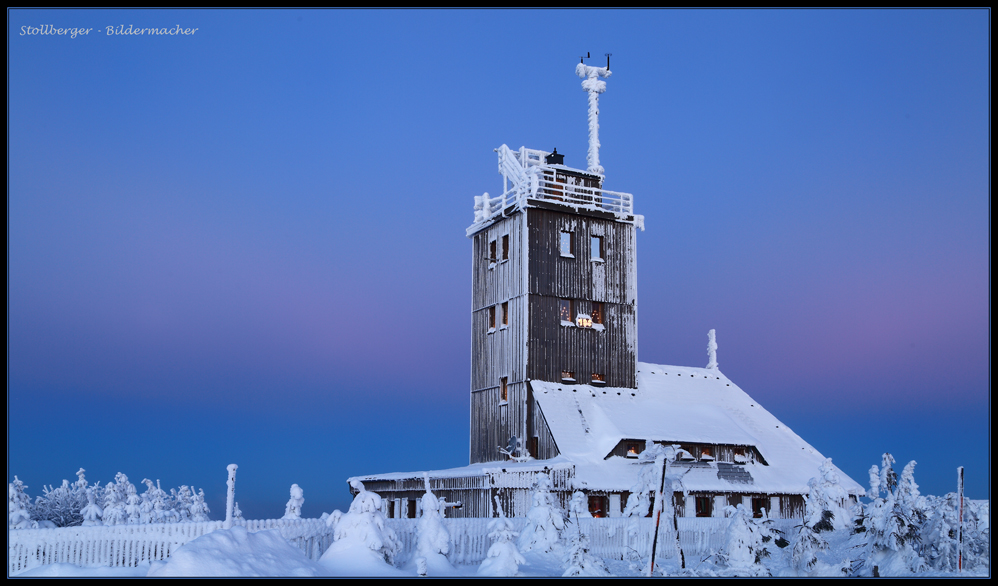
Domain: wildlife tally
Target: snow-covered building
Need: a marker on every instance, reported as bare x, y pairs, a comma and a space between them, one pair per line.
556, 386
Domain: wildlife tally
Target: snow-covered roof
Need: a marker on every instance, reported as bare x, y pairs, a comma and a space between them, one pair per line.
675, 404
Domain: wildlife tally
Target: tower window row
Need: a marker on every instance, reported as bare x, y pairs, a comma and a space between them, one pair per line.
597, 252
594, 319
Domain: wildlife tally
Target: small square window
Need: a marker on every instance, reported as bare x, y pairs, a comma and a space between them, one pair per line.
492, 318
568, 376
597, 312
598, 379
503, 392
505, 313
704, 506
567, 244
505, 247
596, 247
565, 310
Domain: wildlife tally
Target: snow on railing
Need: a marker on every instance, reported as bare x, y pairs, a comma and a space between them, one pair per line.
533, 179
130, 545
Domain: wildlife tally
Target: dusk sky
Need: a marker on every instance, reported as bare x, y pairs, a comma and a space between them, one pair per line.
247, 244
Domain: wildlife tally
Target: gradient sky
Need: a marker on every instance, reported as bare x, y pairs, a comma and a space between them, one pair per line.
247, 244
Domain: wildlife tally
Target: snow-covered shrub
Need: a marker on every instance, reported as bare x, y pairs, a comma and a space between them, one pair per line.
940, 533
747, 543
432, 537
92, 513
115, 500
182, 500
650, 479
363, 529
293, 509
18, 503
503, 558
892, 522
579, 559
60, 505
199, 509
545, 519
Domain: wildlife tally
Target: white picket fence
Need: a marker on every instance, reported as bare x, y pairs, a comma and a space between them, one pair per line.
129, 545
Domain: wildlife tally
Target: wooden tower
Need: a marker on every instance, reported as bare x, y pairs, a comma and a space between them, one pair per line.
554, 290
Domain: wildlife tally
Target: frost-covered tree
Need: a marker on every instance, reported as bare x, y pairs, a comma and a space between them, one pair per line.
940, 534
132, 505
363, 528
237, 513
579, 559
155, 504
503, 559
653, 461
60, 505
18, 503
545, 519
892, 522
746, 546
808, 541
198, 511
293, 509
432, 537
181, 500
92, 513
115, 500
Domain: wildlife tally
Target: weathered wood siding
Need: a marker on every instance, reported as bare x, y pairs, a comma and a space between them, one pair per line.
553, 347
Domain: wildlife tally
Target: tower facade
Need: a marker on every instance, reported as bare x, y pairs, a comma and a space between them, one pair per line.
554, 297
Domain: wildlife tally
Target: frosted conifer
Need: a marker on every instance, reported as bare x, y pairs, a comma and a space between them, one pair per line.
545, 519
293, 509
503, 559
198, 510
18, 503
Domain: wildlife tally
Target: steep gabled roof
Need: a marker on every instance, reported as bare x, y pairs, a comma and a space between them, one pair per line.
675, 404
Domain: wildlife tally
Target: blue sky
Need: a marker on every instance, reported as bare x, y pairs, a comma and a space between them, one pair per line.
247, 244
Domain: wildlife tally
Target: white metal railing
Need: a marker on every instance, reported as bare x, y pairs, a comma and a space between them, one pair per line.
527, 177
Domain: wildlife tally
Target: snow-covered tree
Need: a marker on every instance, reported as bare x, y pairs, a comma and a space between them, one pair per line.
60, 505
653, 462
363, 528
199, 509
92, 513
940, 538
503, 559
579, 559
545, 519
892, 522
293, 509
181, 500
432, 536
155, 504
237, 513
132, 505
746, 546
18, 504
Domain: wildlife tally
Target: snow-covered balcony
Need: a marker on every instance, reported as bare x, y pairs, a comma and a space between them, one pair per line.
528, 177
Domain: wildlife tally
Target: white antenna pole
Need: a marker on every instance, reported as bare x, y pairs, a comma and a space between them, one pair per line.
711, 350
592, 84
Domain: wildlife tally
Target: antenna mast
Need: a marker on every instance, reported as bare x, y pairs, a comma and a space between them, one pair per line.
595, 86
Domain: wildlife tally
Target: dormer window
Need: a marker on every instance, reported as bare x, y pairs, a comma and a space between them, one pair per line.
633, 450
568, 376
598, 379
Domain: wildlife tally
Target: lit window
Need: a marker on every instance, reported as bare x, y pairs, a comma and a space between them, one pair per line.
568, 376
505, 313
505, 247
503, 394
565, 310
567, 244
598, 379
597, 312
596, 248
492, 318
632, 450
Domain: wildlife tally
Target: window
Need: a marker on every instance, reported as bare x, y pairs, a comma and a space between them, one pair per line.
705, 506
567, 245
568, 376
503, 393
598, 379
597, 312
492, 318
759, 504
410, 510
596, 247
633, 450
505, 247
565, 310
598, 505
707, 454
492, 251
532, 447
505, 313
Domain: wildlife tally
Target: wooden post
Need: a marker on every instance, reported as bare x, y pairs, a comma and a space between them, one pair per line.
230, 499
959, 533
